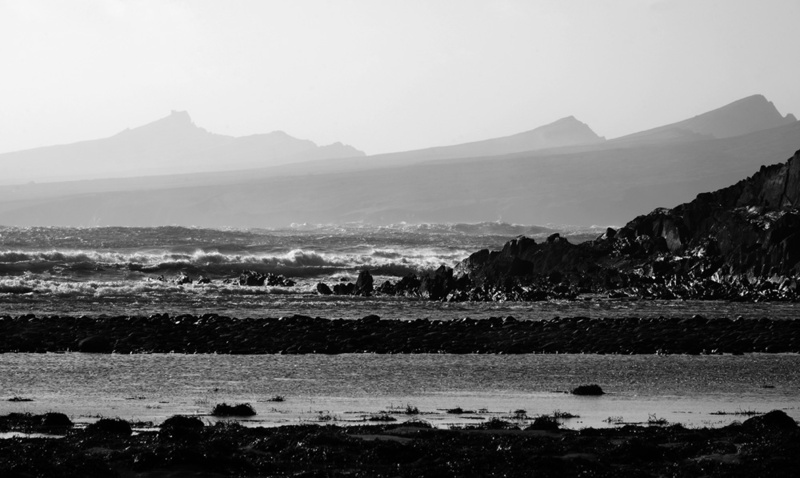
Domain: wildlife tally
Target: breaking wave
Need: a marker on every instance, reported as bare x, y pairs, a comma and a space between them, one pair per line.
296, 262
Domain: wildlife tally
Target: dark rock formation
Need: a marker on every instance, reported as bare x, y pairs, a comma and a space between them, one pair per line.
774, 421
182, 279
279, 281
344, 288
437, 284
109, 426
323, 289
408, 285
256, 279
252, 279
179, 427
55, 422
364, 284
740, 242
591, 390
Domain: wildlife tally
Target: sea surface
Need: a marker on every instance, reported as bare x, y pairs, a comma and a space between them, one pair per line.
351, 388
130, 271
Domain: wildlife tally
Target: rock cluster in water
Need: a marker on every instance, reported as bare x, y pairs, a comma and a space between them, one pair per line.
767, 445
297, 334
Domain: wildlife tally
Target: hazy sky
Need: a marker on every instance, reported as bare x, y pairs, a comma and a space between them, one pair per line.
385, 75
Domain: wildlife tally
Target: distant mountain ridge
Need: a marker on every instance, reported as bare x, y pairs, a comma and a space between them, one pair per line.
747, 115
593, 181
561, 133
170, 145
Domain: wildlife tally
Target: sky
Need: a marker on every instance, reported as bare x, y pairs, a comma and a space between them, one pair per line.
385, 75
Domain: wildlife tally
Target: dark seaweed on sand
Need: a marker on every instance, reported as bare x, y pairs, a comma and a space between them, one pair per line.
238, 410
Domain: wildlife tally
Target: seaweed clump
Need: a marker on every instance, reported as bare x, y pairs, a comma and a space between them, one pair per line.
110, 426
238, 410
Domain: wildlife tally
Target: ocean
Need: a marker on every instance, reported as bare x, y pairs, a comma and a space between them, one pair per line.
53, 271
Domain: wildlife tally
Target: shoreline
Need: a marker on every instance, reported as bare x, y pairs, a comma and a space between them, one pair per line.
765, 445
299, 334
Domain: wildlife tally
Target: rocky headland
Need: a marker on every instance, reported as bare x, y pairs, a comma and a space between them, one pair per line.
738, 243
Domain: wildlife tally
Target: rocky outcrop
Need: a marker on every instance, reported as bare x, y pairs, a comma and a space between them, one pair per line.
741, 242
363, 284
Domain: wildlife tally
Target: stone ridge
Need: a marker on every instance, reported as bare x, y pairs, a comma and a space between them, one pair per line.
211, 333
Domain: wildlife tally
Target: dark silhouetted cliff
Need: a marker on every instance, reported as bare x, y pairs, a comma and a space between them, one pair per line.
744, 234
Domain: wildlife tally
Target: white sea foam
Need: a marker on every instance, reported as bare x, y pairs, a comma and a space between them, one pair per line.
296, 261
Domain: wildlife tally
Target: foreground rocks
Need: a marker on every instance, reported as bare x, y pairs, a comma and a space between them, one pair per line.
211, 333
761, 446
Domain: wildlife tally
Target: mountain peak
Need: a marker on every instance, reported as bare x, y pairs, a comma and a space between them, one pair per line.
567, 131
746, 115
176, 121
752, 113
180, 116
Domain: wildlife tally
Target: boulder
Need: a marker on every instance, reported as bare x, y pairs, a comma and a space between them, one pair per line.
344, 288
110, 426
776, 420
179, 427
323, 289
55, 422
363, 284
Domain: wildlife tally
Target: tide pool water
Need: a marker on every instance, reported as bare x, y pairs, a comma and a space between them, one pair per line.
691, 390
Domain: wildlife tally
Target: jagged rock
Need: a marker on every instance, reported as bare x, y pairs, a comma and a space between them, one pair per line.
408, 285
182, 279
273, 280
364, 284
436, 285
203, 280
252, 279
387, 288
